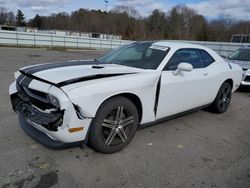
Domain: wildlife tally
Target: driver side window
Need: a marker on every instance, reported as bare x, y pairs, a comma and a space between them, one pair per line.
191, 56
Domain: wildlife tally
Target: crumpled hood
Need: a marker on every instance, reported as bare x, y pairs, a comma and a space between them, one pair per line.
75, 71
243, 64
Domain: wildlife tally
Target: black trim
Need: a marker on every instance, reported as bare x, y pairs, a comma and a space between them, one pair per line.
144, 125
43, 138
88, 78
157, 94
38, 68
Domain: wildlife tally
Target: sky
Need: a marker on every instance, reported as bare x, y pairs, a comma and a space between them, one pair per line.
239, 9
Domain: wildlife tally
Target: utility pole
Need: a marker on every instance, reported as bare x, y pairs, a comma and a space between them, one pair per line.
106, 1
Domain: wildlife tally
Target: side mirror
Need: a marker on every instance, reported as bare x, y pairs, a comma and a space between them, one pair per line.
185, 67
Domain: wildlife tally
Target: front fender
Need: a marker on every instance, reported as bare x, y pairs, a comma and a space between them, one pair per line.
90, 96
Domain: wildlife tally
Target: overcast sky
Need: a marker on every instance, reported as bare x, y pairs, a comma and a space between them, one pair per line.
239, 9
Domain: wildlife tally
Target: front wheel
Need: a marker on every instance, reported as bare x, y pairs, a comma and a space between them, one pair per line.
223, 99
114, 126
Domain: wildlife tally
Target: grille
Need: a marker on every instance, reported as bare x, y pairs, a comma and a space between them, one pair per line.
34, 97
247, 78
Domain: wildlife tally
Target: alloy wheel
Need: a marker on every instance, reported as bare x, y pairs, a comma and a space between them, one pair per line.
116, 127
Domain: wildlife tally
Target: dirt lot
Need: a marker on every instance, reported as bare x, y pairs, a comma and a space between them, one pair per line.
197, 150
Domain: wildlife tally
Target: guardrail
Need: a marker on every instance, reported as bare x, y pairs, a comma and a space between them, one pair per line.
46, 40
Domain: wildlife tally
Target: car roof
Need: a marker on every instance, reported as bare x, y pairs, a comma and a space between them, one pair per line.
174, 44
177, 44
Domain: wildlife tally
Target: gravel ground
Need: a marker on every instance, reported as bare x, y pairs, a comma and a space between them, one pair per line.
197, 150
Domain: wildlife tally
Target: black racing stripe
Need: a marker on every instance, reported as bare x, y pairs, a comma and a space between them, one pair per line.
26, 81
88, 78
28, 78
32, 70
20, 78
36, 78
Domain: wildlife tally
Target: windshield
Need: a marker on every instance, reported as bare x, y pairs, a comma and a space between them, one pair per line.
241, 55
144, 55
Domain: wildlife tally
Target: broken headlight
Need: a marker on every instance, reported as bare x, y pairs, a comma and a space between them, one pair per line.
54, 101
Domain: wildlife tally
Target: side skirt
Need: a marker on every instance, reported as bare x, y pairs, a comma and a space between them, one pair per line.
144, 125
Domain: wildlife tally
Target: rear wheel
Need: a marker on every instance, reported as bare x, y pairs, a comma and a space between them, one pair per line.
223, 99
114, 126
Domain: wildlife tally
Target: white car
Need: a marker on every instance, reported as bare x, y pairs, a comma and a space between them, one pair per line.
103, 102
242, 58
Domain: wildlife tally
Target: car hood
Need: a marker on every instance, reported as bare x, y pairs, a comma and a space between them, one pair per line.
243, 64
61, 74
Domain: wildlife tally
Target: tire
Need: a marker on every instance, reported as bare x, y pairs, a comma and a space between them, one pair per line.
114, 126
223, 99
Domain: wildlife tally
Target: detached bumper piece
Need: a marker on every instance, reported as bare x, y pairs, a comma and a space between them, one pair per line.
43, 138
48, 120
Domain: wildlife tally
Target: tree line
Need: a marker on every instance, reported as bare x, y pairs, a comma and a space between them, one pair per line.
180, 23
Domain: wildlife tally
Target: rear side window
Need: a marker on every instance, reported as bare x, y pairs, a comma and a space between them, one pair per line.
207, 59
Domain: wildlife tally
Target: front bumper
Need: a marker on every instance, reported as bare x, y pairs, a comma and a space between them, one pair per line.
43, 138
246, 78
51, 128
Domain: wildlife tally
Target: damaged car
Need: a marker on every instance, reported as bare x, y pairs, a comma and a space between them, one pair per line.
103, 102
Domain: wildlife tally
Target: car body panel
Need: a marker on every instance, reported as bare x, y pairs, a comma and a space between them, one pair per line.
87, 84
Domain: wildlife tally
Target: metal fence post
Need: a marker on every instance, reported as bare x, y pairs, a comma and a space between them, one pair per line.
64, 42
17, 38
77, 45
34, 40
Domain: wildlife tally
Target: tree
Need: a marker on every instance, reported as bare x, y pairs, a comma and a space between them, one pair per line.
156, 23
36, 22
180, 23
20, 19
6, 17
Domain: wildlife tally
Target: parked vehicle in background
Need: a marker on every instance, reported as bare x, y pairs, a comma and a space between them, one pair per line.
104, 101
242, 58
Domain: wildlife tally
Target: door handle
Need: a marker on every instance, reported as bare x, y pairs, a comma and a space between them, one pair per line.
205, 73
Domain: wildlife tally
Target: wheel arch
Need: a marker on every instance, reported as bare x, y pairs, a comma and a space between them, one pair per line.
134, 98
230, 81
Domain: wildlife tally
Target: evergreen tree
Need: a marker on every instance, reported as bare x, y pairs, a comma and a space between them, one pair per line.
20, 19
36, 22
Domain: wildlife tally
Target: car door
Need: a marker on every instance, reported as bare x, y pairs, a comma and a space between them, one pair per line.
187, 90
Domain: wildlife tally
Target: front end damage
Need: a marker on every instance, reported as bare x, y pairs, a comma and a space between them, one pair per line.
23, 105
45, 122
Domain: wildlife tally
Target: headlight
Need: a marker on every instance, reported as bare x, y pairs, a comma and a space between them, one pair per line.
53, 100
